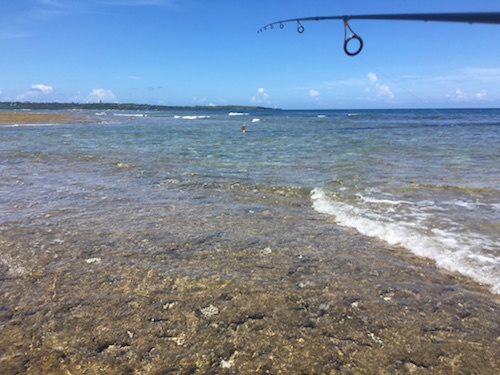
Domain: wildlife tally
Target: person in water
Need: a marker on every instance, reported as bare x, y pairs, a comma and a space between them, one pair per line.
243, 129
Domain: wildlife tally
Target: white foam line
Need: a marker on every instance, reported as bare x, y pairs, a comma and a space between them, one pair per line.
404, 235
383, 201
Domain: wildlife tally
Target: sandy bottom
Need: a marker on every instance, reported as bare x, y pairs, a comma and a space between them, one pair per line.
37, 118
273, 287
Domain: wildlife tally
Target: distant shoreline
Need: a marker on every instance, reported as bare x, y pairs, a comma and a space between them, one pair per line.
34, 106
64, 106
21, 112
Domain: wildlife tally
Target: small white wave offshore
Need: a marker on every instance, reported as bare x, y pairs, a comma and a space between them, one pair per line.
129, 115
451, 249
191, 117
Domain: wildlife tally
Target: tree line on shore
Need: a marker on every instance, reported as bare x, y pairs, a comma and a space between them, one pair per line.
117, 106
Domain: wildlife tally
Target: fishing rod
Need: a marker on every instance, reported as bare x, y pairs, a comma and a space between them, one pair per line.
488, 18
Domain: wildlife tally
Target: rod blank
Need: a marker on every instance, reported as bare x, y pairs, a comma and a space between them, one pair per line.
488, 18
485, 18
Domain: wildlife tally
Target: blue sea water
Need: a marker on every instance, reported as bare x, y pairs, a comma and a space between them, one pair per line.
425, 180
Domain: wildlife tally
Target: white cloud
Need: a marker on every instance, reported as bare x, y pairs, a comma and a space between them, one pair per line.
481, 95
261, 97
35, 91
383, 92
457, 96
101, 95
460, 96
41, 89
372, 77
313, 93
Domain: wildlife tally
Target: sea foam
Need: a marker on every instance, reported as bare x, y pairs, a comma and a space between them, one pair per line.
450, 250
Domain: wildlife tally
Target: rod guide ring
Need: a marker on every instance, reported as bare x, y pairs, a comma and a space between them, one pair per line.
346, 42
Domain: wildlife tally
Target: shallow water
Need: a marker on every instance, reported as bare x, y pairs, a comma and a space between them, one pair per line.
427, 181
159, 243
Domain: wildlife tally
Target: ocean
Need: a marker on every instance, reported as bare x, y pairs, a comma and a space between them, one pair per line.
425, 180
131, 213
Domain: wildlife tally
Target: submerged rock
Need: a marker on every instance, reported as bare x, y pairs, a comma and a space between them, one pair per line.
209, 311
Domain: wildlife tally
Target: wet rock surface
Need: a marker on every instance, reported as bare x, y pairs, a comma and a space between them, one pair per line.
271, 288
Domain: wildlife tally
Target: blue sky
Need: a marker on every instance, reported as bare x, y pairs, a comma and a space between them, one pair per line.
203, 52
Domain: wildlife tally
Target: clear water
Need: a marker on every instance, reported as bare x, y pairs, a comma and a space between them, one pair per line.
428, 181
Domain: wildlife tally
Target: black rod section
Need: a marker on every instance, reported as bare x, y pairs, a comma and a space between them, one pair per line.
488, 18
